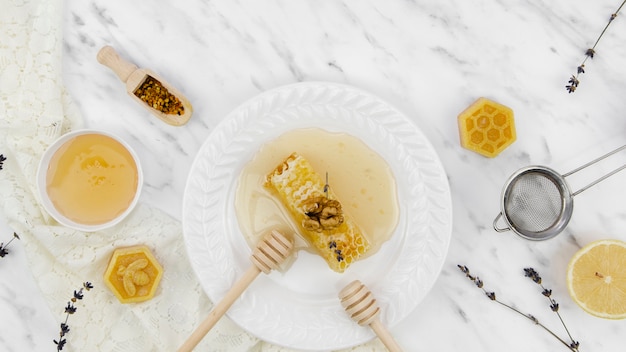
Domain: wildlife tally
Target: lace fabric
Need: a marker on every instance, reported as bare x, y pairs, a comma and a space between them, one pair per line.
36, 110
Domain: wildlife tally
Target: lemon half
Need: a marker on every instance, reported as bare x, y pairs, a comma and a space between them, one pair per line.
596, 279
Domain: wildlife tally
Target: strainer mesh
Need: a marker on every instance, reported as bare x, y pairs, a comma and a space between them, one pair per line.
533, 203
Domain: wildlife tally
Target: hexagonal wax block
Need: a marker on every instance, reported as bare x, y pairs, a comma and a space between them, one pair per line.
486, 127
133, 274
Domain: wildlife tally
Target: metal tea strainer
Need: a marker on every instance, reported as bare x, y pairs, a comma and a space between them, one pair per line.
537, 203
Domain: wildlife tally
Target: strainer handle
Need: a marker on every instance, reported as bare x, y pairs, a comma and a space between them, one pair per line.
593, 162
495, 224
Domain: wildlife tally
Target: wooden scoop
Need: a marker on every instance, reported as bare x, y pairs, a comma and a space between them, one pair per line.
362, 308
268, 255
134, 77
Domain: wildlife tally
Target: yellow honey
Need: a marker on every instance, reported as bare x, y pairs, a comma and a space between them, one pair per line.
357, 176
486, 127
133, 274
92, 179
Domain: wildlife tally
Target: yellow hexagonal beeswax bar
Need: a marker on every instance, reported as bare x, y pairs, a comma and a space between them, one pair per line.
133, 274
486, 127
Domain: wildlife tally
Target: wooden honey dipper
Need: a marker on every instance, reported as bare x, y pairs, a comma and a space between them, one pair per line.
269, 254
361, 305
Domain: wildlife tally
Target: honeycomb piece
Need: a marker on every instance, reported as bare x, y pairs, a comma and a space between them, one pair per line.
317, 212
487, 127
133, 274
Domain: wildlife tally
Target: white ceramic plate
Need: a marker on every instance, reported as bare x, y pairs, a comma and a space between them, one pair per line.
300, 308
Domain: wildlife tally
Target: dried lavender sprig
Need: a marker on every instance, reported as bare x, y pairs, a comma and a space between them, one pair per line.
3, 247
589, 53
554, 306
492, 296
70, 309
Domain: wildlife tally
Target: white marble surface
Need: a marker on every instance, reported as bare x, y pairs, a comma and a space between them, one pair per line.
430, 59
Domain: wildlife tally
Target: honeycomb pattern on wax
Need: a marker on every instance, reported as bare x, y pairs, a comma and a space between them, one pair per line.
487, 127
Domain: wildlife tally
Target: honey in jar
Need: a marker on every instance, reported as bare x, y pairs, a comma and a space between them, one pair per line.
92, 179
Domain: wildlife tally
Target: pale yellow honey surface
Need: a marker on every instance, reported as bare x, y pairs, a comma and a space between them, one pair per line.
133, 274
359, 177
487, 127
92, 179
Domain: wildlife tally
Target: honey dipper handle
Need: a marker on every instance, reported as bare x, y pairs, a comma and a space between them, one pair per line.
220, 309
110, 58
385, 336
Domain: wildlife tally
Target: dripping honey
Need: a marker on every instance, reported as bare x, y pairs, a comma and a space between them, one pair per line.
92, 179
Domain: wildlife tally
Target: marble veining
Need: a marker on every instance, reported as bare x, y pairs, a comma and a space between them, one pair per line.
430, 59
